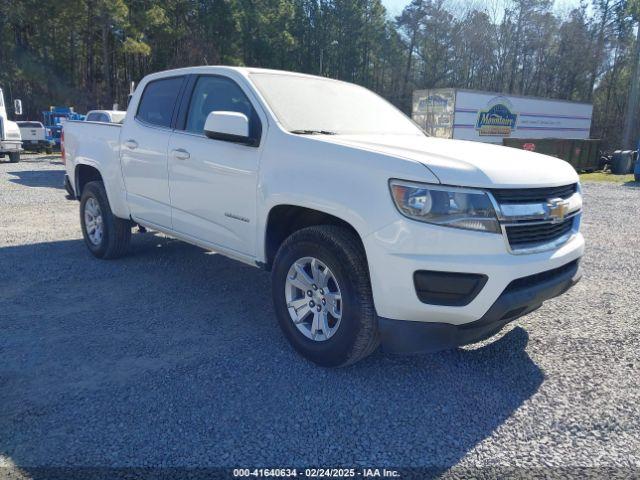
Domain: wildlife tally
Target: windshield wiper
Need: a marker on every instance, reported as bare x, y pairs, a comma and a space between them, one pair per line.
312, 132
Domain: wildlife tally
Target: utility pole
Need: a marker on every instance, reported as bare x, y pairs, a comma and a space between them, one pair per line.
628, 140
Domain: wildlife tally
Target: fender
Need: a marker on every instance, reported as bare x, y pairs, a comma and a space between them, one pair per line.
262, 254
97, 146
113, 184
334, 179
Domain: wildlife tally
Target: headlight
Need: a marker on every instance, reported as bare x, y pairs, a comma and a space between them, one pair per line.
446, 206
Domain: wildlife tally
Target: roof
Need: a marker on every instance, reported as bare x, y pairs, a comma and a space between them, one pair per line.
498, 94
244, 71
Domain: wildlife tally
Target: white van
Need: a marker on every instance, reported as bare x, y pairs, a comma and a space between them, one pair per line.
10, 140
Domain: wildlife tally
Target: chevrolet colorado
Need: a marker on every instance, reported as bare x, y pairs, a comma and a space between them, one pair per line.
373, 232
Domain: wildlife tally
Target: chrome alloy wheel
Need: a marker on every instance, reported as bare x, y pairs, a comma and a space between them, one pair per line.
313, 299
93, 221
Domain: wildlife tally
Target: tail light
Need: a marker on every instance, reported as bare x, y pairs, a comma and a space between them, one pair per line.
62, 152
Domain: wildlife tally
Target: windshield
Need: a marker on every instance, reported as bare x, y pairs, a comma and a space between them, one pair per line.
317, 105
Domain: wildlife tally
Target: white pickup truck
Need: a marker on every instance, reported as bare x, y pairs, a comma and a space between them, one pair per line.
373, 232
34, 137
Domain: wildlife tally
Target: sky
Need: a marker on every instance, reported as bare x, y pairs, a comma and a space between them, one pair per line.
394, 7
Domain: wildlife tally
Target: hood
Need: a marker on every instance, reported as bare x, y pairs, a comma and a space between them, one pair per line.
470, 164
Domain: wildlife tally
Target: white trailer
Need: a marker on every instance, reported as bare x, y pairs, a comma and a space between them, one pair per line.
491, 117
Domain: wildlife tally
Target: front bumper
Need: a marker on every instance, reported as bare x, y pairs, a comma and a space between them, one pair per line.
398, 250
10, 146
522, 296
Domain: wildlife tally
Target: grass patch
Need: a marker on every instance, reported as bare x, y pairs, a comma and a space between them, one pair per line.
606, 177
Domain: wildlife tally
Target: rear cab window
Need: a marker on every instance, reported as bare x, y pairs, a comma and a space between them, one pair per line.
98, 117
158, 101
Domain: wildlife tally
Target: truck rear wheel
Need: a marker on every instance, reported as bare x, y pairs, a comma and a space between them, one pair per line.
106, 235
322, 296
14, 157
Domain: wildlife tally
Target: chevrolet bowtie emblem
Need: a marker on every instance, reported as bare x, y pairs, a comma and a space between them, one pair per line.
557, 209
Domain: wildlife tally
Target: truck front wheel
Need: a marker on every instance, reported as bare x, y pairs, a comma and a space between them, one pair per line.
14, 157
106, 235
322, 296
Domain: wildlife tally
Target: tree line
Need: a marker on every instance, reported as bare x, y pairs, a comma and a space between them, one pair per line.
86, 53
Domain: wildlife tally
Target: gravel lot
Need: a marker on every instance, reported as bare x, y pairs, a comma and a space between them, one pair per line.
171, 357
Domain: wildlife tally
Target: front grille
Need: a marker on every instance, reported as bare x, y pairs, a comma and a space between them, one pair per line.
526, 235
533, 195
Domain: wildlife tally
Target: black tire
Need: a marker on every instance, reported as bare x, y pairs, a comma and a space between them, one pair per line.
342, 252
48, 151
14, 157
116, 231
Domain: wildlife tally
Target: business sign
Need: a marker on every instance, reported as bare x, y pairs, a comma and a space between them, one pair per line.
498, 119
433, 111
491, 117
429, 102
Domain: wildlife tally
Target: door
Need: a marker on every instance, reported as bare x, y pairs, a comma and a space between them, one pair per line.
213, 182
144, 151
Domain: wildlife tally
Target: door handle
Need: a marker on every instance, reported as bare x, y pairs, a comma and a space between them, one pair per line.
131, 144
181, 154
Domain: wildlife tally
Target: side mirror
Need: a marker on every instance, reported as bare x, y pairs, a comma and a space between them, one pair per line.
229, 127
17, 107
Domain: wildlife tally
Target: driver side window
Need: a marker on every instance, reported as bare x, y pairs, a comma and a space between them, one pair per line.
212, 94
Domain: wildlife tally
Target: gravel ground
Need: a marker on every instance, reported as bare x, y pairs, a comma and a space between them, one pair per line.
171, 357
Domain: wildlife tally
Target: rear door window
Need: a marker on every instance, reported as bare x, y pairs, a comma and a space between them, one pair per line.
159, 100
